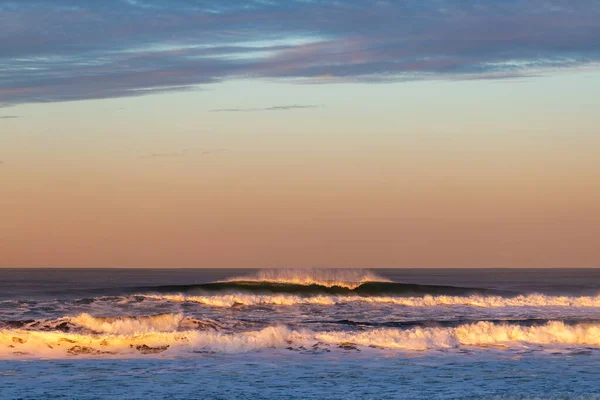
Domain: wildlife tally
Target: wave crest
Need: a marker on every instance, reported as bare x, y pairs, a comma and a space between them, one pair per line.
129, 325
347, 278
85, 323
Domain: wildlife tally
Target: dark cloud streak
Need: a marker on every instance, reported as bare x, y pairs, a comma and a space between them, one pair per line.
272, 108
183, 153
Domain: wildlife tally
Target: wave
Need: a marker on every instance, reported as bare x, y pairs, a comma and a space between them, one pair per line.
128, 325
241, 299
453, 323
364, 289
344, 278
22, 343
85, 323
145, 324
477, 334
321, 281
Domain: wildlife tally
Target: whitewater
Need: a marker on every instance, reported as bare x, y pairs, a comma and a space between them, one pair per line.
314, 320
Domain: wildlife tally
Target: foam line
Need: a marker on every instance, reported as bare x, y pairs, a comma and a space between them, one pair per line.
16, 343
235, 299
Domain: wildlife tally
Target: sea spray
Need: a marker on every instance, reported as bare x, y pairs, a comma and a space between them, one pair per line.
330, 277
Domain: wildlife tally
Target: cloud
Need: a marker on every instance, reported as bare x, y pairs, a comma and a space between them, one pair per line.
9, 116
272, 108
165, 155
207, 152
183, 153
84, 49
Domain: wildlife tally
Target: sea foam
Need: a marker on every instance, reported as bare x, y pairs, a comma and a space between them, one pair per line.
235, 299
15, 343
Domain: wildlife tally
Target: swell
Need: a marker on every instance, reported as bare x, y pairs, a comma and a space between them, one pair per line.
474, 300
320, 281
15, 343
363, 289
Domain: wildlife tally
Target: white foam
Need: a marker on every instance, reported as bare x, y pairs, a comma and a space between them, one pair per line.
129, 325
22, 343
533, 300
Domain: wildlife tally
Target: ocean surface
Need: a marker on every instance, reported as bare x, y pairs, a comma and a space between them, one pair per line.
305, 334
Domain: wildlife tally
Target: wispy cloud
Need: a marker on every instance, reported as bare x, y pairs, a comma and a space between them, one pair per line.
114, 48
165, 155
272, 108
183, 153
9, 116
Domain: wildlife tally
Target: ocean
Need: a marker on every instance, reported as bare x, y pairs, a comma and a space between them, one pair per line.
300, 334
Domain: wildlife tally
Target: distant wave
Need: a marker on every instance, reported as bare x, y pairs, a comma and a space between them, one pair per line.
241, 299
321, 281
15, 343
364, 289
344, 278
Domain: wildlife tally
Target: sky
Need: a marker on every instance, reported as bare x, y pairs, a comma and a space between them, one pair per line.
299, 133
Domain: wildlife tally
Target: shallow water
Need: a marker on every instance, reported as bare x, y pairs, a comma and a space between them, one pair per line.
300, 334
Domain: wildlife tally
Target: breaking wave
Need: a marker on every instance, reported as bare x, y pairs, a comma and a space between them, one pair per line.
137, 325
85, 323
364, 289
321, 281
345, 278
237, 299
128, 325
56, 344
